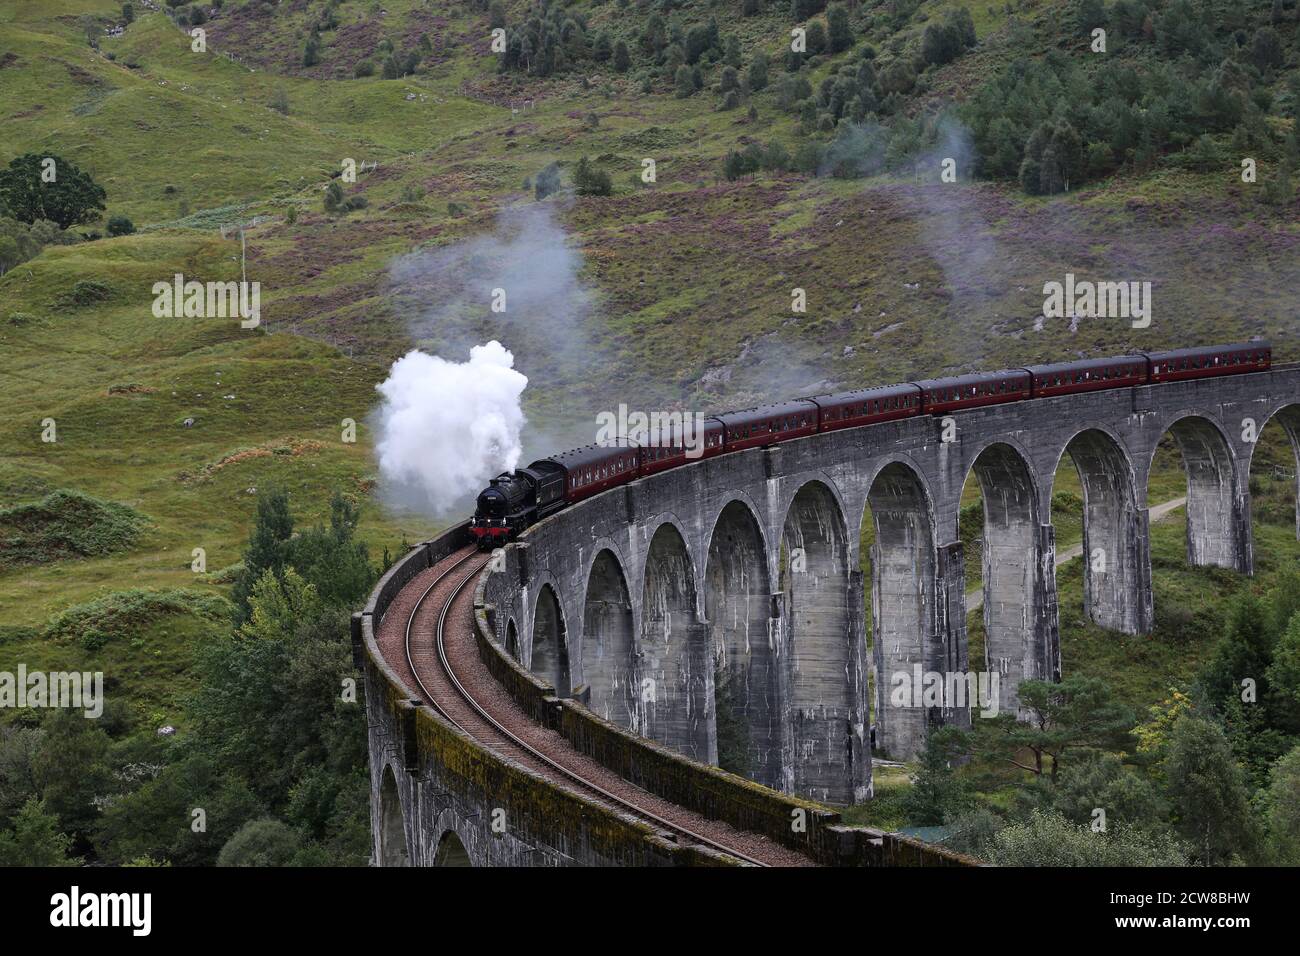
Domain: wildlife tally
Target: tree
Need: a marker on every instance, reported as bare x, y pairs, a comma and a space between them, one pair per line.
684, 82
1054, 159
72, 770
120, 226
936, 793
1079, 713
622, 59
71, 198
311, 51
35, 839
732, 56
1282, 809
1283, 671
547, 181
264, 842
937, 46
1101, 781
154, 821
10, 253
128, 13
267, 545
1208, 794
816, 37
1266, 50
1088, 15
757, 76
838, 28
1243, 652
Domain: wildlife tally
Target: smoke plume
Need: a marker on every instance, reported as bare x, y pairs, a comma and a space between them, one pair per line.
445, 427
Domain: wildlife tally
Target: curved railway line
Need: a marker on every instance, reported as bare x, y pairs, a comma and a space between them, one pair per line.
476, 705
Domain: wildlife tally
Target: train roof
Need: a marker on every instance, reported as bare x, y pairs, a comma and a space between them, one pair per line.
1083, 364
1204, 350
588, 455
858, 394
974, 378
761, 413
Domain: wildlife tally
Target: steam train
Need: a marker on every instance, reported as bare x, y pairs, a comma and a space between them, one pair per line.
513, 501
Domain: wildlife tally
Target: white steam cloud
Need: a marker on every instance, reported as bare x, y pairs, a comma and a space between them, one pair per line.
445, 427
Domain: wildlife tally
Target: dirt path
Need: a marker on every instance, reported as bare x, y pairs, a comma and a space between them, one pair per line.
975, 597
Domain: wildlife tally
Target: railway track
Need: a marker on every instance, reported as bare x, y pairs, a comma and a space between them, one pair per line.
445, 691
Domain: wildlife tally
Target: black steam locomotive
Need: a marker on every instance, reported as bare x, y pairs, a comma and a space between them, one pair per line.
513, 501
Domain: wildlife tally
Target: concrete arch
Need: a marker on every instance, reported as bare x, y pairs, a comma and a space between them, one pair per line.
451, 851
736, 497
815, 579
903, 597
392, 849
1117, 571
512, 639
745, 647
550, 657
676, 692
1214, 511
798, 482
1288, 416
1012, 573
608, 643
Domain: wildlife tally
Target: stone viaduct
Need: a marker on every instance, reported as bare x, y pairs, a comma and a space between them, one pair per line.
716, 611
718, 607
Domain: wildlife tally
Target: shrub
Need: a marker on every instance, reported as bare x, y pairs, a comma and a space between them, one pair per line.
363, 68
1049, 839
590, 181
684, 82
120, 226
547, 181
65, 524
87, 292
265, 842
122, 614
